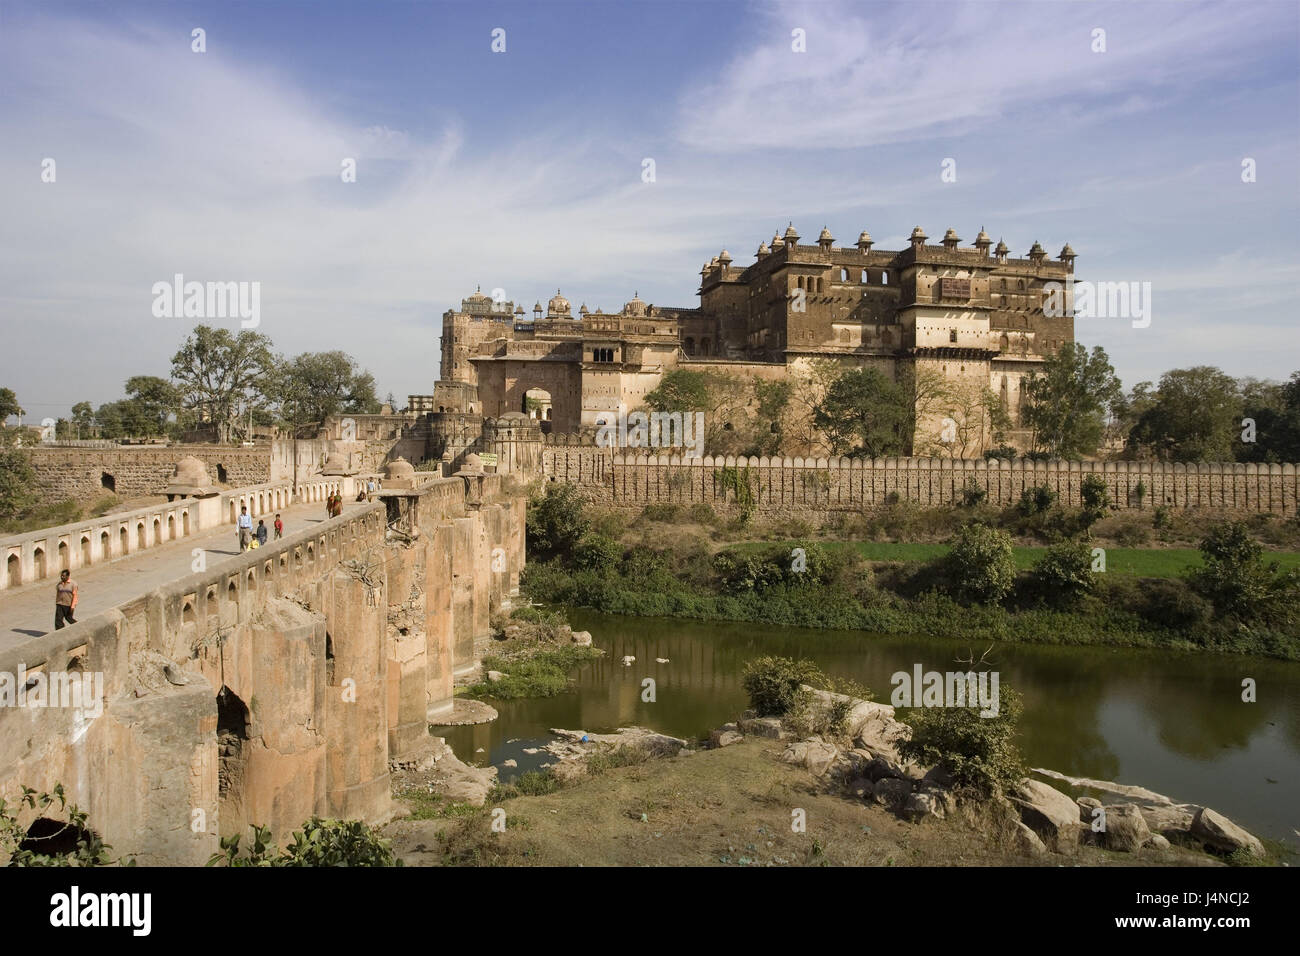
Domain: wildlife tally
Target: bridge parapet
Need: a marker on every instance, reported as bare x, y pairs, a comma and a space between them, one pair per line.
40, 555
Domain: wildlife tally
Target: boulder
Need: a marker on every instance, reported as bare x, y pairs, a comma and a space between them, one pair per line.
937, 778
761, 727
582, 638
877, 730
564, 633
494, 676
1157, 842
727, 738
1027, 841
946, 799
814, 755
1125, 830
881, 768
892, 793
716, 734
1049, 813
1166, 819
1222, 834
920, 806
1086, 806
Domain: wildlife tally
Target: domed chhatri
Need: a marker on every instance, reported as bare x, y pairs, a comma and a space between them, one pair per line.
635, 307
190, 479
398, 468
472, 465
558, 305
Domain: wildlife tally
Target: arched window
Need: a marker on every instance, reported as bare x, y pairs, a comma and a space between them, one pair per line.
844, 275
866, 277
884, 278
1004, 344
800, 281
690, 346
704, 347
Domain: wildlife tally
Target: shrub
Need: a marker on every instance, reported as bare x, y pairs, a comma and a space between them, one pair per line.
773, 684
978, 751
980, 567
72, 844
597, 552
556, 521
1064, 573
1095, 497
1005, 452
1162, 517
702, 514
665, 513
973, 495
318, 843
1234, 577
1036, 500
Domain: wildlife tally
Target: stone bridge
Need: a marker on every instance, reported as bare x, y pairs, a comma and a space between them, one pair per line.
272, 687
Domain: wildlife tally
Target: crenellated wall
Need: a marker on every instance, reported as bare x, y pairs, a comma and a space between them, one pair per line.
815, 486
277, 685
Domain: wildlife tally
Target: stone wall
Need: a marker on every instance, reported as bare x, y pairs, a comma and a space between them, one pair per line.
277, 685
814, 486
134, 472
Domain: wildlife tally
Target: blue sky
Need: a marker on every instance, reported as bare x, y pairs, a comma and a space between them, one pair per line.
522, 170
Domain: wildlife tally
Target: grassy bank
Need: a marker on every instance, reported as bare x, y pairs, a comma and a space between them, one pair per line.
1226, 601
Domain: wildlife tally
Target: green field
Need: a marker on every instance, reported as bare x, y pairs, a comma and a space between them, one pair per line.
1143, 562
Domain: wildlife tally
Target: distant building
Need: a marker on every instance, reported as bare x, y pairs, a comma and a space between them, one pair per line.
969, 316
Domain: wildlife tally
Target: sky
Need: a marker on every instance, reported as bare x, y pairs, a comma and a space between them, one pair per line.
523, 170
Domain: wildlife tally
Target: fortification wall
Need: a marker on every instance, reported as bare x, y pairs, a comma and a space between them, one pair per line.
814, 486
276, 685
137, 471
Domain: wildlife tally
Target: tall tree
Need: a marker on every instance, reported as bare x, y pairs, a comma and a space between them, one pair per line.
155, 400
1196, 416
9, 405
323, 384
1066, 404
83, 418
218, 374
865, 414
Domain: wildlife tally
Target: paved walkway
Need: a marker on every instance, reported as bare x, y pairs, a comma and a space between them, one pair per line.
28, 611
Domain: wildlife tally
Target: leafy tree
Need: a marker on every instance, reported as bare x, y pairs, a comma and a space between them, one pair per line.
17, 479
865, 414
83, 418
981, 566
1275, 409
681, 390
1066, 403
774, 684
1064, 573
556, 521
325, 384
1196, 416
9, 405
218, 374
1235, 579
155, 400
1095, 496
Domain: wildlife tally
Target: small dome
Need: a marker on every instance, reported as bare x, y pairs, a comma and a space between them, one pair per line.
558, 305
537, 307
983, 238
519, 310
777, 242
582, 309
191, 471
762, 249
918, 235
1036, 249
479, 296
635, 307
473, 464
864, 238
790, 232
398, 468
724, 256
1001, 248
825, 235
950, 235
1067, 252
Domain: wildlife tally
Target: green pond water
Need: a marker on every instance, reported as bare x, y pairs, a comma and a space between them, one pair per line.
1171, 722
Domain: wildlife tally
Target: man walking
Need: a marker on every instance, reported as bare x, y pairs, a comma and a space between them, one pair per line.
245, 528
65, 599
279, 526
261, 533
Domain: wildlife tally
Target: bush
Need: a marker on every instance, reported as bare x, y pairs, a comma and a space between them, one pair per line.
1064, 573
1005, 452
1095, 497
73, 844
981, 566
773, 684
664, 513
701, 513
1234, 577
318, 843
973, 495
556, 521
978, 751
597, 552
1036, 500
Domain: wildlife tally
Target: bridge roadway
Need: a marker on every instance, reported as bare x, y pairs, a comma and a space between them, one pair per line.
28, 612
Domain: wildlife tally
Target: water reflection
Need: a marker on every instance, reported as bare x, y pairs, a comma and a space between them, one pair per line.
1173, 723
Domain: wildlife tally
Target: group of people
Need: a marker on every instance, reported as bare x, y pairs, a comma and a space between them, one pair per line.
250, 538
